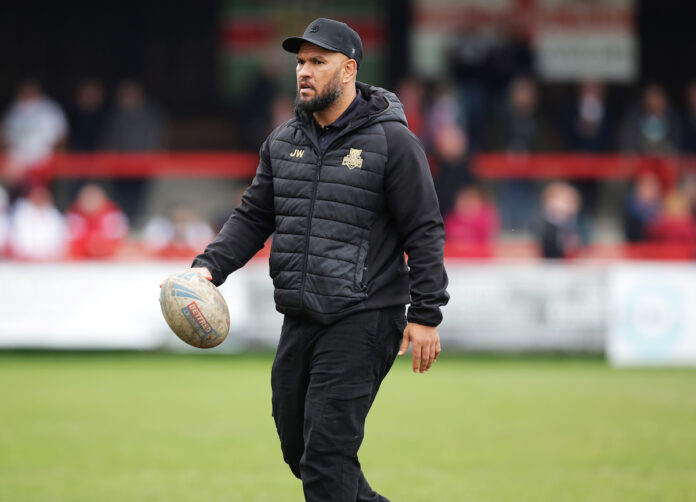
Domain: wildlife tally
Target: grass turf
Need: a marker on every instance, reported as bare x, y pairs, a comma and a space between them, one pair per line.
155, 427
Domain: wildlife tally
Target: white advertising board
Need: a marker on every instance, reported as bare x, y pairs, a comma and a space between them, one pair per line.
653, 319
494, 307
575, 54
83, 305
528, 307
642, 314
572, 40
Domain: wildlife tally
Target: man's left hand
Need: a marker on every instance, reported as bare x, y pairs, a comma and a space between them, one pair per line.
426, 345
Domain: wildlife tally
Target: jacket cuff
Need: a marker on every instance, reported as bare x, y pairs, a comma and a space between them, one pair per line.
217, 276
426, 316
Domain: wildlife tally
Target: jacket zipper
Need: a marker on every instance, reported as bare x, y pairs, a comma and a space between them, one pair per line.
349, 128
309, 230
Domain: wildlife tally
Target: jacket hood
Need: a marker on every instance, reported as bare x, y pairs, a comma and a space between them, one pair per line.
382, 106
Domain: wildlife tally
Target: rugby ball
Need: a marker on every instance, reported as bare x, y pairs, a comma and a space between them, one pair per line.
194, 309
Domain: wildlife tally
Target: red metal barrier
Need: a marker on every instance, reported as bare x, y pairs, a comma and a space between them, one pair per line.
572, 166
492, 166
242, 165
154, 165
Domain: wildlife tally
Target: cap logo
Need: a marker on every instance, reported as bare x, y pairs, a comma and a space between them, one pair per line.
314, 28
352, 51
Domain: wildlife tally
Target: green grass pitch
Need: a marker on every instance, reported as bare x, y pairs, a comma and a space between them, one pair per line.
156, 427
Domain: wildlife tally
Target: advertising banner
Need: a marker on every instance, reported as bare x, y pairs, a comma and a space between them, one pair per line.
569, 40
653, 320
641, 314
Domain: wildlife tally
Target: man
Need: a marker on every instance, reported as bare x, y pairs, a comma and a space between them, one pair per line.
32, 129
346, 188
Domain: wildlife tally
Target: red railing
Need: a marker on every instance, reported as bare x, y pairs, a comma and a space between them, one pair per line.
154, 165
242, 165
572, 166
491, 166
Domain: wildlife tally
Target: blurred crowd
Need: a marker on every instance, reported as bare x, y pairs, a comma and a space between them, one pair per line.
488, 102
560, 214
34, 127
93, 227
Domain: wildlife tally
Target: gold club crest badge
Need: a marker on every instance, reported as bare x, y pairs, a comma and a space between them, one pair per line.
353, 159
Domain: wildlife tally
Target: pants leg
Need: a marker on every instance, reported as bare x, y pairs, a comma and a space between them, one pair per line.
332, 373
289, 380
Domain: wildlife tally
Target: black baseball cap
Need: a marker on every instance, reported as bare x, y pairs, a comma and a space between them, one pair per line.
331, 35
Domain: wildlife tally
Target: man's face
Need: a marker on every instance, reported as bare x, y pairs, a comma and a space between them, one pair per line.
319, 73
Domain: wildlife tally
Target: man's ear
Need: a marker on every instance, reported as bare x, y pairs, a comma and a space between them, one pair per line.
350, 69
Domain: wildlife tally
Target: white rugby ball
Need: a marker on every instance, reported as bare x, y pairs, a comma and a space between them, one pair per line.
194, 309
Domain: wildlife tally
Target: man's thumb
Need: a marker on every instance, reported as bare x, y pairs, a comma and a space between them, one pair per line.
404, 345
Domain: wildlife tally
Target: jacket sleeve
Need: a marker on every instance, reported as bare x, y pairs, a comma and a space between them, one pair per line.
412, 201
247, 229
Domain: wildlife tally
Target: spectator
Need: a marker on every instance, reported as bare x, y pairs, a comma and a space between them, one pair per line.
675, 223
134, 125
689, 189
97, 226
587, 127
468, 57
642, 207
473, 220
587, 122
37, 229
519, 129
182, 236
256, 110
33, 127
560, 236
512, 57
689, 138
443, 110
4, 222
88, 116
411, 93
651, 128
282, 110
448, 144
482, 62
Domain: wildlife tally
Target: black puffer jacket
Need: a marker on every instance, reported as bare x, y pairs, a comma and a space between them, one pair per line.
342, 219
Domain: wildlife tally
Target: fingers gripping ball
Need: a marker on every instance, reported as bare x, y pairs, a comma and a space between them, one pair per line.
194, 309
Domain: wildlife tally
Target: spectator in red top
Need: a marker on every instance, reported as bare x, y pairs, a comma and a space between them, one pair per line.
97, 226
473, 220
675, 224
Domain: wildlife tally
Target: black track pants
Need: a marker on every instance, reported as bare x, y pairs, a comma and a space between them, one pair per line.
324, 380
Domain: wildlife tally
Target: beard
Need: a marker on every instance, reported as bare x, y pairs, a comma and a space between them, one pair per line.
322, 101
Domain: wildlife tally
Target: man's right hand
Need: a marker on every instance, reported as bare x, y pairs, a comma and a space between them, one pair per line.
204, 272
